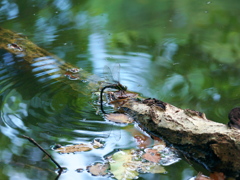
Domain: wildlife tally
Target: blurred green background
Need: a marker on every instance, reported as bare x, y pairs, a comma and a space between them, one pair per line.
181, 52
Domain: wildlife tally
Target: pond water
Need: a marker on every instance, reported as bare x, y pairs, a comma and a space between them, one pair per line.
182, 52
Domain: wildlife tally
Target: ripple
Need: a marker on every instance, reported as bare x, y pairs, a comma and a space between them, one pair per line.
35, 98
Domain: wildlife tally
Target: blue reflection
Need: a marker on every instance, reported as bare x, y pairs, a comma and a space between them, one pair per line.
45, 31
9, 9
62, 4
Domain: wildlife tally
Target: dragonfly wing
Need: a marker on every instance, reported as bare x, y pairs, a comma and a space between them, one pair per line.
107, 73
116, 73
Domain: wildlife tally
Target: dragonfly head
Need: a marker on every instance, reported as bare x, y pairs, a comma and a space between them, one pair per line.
123, 88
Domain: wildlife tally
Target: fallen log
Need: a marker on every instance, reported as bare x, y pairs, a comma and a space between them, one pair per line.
214, 145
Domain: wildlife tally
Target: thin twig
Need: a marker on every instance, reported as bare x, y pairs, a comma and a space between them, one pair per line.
35, 143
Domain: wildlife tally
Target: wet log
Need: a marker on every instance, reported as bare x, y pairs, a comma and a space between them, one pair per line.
214, 145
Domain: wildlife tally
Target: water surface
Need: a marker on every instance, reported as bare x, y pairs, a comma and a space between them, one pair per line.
184, 53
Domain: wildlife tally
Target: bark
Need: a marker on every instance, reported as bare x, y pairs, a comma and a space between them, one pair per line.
214, 145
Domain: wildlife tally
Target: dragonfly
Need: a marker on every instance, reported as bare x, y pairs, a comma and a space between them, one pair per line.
115, 84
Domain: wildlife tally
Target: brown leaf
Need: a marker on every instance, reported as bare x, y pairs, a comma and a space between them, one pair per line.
217, 176
142, 140
74, 148
119, 118
98, 169
200, 176
152, 155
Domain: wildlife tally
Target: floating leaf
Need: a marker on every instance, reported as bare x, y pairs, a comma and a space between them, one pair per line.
120, 166
119, 118
217, 176
74, 148
127, 164
97, 143
98, 169
142, 140
125, 94
152, 155
151, 168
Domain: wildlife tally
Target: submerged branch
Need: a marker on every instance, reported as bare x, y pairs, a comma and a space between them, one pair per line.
45, 152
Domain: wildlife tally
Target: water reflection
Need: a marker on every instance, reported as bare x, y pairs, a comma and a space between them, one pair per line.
175, 52
8, 9
39, 104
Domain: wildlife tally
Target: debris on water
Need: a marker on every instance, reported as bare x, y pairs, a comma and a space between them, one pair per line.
74, 148
72, 73
15, 47
74, 70
56, 146
152, 155
127, 164
98, 169
64, 170
71, 76
169, 157
119, 118
98, 143
79, 170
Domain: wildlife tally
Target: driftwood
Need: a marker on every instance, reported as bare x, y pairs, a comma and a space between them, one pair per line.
214, 145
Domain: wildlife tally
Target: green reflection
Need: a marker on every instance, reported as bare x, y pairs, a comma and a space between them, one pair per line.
182, 52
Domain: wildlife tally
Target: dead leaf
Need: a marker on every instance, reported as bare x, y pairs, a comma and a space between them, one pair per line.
200, 176
98, 169
119, 118
152, 155
74, 148
120, 165
127, 164
217, 176
149, 167
97, 143
142, 140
